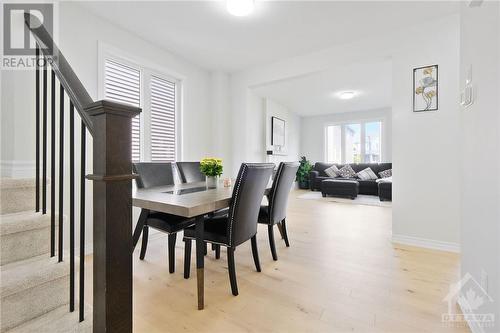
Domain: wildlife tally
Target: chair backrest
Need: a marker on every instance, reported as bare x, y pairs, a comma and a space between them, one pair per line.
248, 192
153, 174
282, 184
190, 172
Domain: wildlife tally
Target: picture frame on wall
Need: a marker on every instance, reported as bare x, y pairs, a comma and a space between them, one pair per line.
426, 88
277, 132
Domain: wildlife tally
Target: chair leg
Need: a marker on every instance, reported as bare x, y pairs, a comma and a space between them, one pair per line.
217, 251
271, 241
232, 270
187, 258
280, 228
285, 234
139, 227
255, 253
145, 232
205, 248
213, 247
171, 252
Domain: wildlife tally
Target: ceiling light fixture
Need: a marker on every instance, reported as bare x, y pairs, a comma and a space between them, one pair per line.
240, 7
346, 94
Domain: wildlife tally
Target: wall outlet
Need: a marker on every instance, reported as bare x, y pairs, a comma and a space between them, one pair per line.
484, 280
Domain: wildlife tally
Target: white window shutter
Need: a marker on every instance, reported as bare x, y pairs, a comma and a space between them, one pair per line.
163, 105
122, 84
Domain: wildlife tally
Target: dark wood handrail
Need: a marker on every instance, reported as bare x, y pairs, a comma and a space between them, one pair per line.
67, 77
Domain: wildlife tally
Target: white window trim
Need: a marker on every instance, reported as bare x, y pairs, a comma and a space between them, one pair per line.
342, 136
147, 68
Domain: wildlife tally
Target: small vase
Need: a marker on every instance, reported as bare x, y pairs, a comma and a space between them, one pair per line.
212, 181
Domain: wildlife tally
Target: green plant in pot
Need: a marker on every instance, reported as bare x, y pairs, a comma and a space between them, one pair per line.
212, 169
303, 173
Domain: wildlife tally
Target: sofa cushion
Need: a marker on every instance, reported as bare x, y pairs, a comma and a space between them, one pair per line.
347, 172
332, 171
367, 174
385, 173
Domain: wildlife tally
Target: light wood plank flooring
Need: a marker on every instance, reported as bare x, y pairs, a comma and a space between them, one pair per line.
342, 273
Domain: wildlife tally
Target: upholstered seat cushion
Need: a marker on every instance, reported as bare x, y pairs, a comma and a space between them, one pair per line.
215, 230
168, 222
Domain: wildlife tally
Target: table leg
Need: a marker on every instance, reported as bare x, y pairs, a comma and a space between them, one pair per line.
200, 260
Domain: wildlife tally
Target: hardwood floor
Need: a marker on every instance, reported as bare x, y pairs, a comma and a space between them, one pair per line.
341, 273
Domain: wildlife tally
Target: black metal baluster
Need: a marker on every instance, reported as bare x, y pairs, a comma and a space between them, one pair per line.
61, 173
44, 142
71, 207
53, 164
82, 221
37, 131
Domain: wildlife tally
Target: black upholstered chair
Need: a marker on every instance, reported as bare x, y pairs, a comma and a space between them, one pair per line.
240, 224
151, 175
190, 172
275, 212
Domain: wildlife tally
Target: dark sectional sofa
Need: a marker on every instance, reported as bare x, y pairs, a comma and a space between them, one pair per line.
369, 187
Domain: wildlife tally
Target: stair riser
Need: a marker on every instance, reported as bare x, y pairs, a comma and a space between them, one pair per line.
31, 303
34, 243
14, 200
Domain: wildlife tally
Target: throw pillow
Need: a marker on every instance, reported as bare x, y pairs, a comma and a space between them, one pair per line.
332, 171
367, 174
385, 173
347, 172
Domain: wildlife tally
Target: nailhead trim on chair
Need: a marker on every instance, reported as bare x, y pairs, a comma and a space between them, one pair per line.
278, 178
233, 207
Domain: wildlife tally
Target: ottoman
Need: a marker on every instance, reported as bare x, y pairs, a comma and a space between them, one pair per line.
385, 191
340, 188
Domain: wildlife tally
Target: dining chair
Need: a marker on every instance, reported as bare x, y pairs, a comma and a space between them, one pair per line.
153, 174
190, 172
240, 224
275, 212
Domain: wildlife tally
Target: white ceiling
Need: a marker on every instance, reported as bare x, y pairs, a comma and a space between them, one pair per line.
204, 33
315, 94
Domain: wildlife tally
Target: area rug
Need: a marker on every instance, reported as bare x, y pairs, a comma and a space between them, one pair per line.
368, 200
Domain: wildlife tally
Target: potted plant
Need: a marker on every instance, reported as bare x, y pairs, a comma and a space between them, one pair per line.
303, 173
212, 169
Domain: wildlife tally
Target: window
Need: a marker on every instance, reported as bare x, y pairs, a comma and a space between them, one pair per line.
373, 144
162, 120
334, 144
123, 84
354, 142
154, 131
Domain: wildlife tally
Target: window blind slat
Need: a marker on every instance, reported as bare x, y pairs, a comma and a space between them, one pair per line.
122, 84
162, 120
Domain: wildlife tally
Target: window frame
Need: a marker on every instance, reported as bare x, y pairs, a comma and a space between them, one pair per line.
362, 123
147, 69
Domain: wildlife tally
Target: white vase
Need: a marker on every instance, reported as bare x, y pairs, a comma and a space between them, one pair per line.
212, 181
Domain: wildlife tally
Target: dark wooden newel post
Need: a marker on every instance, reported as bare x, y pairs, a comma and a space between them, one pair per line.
112, 176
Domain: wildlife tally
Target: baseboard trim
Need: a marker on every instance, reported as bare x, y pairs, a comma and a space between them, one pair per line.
17, 169
426, 243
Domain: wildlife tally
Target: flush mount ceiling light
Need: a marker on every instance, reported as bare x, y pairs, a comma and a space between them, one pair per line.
240, 7
346, 94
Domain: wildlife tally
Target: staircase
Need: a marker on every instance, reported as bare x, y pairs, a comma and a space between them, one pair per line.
34, 288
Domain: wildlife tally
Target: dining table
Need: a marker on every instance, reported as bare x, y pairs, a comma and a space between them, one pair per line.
190, 200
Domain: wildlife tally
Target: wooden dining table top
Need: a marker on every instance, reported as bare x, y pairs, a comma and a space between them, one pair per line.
204, 201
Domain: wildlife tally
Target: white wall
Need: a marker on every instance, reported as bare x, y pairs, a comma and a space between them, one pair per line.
291, 150
425, 214
480, 151
426, 151
313, 131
